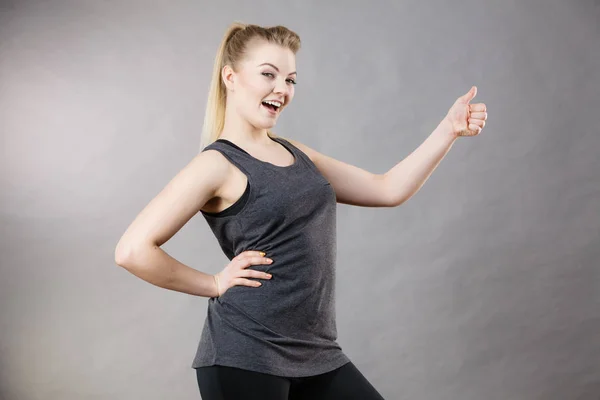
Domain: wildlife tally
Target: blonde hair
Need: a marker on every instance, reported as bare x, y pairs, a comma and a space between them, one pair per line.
233, 49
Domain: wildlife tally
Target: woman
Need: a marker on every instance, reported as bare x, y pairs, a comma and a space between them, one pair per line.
270, 330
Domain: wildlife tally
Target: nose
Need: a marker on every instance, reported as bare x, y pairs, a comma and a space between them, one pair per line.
281, 87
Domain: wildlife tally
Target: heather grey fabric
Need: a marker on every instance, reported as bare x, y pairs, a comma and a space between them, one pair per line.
287, 326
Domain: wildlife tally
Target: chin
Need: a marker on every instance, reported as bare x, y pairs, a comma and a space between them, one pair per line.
265, 124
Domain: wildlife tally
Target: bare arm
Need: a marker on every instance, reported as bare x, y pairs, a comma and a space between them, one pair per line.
356, 186
139, 250
352, 185
408, 176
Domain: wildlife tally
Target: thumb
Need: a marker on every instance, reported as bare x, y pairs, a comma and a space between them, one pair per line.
466, 98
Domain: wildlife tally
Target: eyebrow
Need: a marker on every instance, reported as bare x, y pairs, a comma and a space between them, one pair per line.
276, 69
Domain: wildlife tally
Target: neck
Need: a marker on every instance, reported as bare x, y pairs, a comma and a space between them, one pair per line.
239, 130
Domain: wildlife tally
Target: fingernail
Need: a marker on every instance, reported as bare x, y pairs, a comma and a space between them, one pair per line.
262, 253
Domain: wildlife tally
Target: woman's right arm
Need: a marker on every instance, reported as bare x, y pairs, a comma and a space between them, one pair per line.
138, 250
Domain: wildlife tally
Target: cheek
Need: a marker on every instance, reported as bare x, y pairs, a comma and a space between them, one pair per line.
256, 86
290, 95
248, 99
248, 86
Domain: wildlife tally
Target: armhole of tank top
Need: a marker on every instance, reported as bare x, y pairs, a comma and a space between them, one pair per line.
239, 205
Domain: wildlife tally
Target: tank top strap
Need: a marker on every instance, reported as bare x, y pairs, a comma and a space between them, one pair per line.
261, 171
301, 157
251, 165
233, 153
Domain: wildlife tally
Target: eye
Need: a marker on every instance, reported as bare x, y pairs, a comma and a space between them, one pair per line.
268, 74
293, 82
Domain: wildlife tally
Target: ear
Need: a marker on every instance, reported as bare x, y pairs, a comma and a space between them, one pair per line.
228, 75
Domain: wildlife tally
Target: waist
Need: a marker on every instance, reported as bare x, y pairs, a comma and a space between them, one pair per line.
288, 312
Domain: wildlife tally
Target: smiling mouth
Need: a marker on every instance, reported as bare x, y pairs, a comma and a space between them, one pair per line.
270, 107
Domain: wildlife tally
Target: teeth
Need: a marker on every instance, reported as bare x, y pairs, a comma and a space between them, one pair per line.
272, 102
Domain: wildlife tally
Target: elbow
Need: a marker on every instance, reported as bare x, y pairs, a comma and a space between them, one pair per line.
122, 254
399, 200
126, 253
133, 255
393, 199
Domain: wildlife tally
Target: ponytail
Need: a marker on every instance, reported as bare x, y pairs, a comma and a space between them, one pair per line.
214, 117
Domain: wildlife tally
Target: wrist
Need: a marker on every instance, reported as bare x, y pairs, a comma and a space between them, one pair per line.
446, 128
445, 131
217, 285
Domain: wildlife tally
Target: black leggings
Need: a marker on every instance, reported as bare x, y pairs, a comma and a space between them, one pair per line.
228, 383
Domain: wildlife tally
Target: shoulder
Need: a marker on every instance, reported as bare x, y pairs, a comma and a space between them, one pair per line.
212, 158
211, 168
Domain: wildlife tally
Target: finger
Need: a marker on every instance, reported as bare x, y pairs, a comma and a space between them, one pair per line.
252, 253
478, 122
474, 128
246, 282
255, 260
247, 253
251, 273
478, 115
469, 95
477, 107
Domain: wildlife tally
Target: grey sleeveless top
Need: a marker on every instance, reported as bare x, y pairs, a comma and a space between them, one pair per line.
287, 326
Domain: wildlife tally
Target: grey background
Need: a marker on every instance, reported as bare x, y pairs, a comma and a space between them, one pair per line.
484, 285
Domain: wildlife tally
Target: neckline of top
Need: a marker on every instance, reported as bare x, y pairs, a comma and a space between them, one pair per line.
281, 142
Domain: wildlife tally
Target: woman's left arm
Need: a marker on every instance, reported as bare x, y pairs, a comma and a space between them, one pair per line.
355, 186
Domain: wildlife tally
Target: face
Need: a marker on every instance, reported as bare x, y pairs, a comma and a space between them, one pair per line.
267, 73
